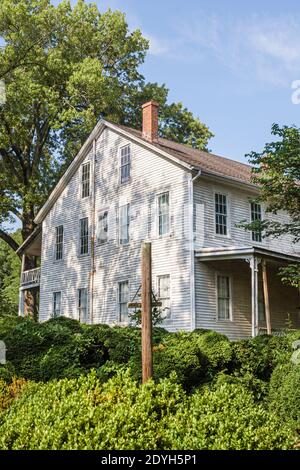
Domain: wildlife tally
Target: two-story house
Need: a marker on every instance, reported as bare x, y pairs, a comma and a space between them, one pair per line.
126, 186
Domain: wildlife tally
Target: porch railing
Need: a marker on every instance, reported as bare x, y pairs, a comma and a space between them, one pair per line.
31, 277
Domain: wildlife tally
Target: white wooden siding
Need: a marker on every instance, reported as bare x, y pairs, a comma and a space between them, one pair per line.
150, 175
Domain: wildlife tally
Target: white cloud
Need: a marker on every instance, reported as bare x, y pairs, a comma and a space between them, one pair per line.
267, 48
157, 46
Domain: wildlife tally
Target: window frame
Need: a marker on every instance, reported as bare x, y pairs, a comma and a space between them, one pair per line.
53, 314
228, 223
158, 277
87, 307
79, 237
252, 233
87, 182
59, 243
158, 196
128, 164
124, 243
218, 318
123, 281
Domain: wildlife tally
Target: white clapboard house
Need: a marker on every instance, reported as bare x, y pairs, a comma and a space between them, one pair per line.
126, 186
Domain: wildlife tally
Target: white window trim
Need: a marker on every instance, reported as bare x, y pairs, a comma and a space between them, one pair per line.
119, 281
61, 304
119, 163
230, 319
228, 208
81, 177
170, 319
87, 303
169, 233
250, 218
83, 255
63, 245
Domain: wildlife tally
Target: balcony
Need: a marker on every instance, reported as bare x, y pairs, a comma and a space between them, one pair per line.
31, 278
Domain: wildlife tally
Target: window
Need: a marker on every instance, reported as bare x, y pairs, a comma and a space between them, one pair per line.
221, 214
59, 241
256, 216
85, 180
164, 295
84, 236
82, 305
163, 214
125, 163
103, 227
124, 224
56, 305
224, 297
123, 301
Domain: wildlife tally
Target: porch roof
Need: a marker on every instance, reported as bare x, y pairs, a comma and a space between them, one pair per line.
243, 252
33, 244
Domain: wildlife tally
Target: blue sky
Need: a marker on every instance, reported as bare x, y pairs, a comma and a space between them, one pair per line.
231, 63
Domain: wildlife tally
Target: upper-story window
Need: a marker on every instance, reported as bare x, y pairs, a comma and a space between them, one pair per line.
163, 214
59, 242
221, 215
85, 179
256, 216
84, 236
124, 222
125, 156
102, 234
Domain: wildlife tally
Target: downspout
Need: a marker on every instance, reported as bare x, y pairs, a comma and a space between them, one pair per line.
192, 258
93, 241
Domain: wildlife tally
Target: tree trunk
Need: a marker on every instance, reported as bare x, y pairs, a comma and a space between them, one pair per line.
30, 296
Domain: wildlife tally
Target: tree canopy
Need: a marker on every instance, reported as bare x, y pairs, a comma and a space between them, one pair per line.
64, 68
277, 172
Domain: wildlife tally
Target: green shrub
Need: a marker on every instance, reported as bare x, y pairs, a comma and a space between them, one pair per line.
217, 348
260, 356
180, 353
285, 393
83, 414
225, 419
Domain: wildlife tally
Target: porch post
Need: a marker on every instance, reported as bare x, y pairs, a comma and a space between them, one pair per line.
254, 294
266, 296
21, 295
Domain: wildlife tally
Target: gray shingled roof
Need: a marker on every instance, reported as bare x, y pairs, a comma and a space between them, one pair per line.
199, 159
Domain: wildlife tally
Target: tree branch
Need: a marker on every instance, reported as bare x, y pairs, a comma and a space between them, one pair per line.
9, 240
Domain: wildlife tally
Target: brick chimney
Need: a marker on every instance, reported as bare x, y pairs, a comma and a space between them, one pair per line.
150, 121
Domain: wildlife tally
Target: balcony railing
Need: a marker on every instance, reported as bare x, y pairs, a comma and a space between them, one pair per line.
31, 277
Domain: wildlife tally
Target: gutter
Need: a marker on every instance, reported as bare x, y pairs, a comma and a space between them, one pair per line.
192, 256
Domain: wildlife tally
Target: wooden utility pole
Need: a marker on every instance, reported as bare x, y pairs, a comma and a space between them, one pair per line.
266, 296
146, 312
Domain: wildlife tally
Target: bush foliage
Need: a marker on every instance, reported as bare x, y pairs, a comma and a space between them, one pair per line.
84, 389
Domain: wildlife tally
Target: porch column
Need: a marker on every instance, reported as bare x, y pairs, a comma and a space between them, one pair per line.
254, 263
21, 294
266, 296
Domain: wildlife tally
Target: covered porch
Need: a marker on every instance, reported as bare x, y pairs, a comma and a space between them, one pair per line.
29, 291
260, 302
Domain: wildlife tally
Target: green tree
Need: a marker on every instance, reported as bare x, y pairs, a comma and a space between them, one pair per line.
277, 172
9, 277
64, 68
